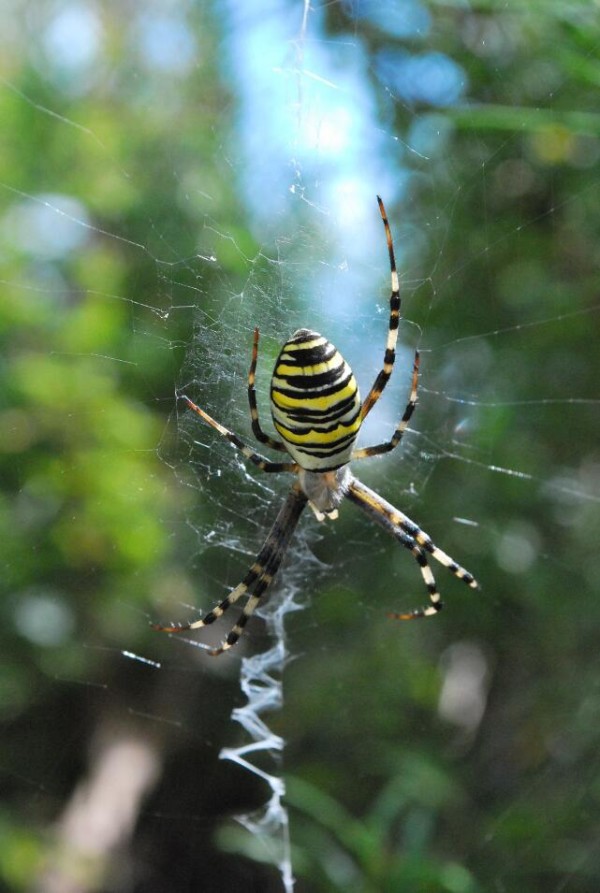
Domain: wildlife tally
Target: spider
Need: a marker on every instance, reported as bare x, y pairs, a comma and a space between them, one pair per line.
317, 411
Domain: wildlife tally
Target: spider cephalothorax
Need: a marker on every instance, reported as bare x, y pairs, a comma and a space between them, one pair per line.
317, 411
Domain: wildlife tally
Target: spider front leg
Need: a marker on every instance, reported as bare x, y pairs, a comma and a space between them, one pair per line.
259, 576
412, 538
436, 603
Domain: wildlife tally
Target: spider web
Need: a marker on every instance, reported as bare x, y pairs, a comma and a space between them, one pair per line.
316, 109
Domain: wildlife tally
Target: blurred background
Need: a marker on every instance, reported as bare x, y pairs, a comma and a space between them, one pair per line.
171, 175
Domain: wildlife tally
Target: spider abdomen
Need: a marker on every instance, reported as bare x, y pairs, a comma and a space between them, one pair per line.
315, 402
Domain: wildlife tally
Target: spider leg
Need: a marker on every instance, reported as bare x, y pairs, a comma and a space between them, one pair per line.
260, 575
436, 603
390, 347
249, 608
412, 538
402, 424
256, 458
256, 429
255, 573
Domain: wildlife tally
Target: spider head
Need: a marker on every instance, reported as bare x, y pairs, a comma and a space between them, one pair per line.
325, 490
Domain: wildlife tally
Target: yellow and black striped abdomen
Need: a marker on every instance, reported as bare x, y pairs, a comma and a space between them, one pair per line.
315, 402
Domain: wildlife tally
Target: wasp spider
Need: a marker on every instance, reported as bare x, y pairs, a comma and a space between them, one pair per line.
317, 412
